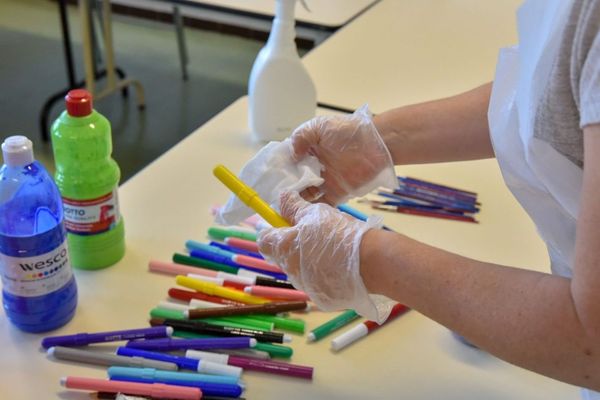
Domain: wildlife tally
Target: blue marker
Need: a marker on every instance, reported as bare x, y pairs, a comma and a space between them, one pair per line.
208, 389
236, 250
220, 248
356, 214
201, 366
160, 375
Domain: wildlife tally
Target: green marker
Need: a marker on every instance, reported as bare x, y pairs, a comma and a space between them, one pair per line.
222, 233
275, 350
199, 262
330, 326
287, 324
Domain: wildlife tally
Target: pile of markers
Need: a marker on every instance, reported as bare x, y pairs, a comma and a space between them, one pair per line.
417, 197
229, 314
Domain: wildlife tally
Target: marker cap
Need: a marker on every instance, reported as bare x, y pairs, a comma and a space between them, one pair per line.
349, 337
207, 367
207, 356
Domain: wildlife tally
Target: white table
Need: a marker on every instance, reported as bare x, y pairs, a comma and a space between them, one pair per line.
413, 358
407, 51
330, 14
325, 16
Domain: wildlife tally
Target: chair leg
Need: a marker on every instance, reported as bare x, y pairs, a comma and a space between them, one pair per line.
183, 54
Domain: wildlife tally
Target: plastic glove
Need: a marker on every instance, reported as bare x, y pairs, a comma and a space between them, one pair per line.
320, 254
355, 158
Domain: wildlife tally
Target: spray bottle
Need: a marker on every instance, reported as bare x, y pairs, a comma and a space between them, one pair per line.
281, 93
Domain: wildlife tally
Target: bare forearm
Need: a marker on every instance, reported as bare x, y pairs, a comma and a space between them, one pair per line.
451, 129
524, 317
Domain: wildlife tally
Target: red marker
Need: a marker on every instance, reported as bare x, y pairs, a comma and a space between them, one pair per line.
364, 328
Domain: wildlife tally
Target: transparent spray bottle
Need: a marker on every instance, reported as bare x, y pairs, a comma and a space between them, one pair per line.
281, 93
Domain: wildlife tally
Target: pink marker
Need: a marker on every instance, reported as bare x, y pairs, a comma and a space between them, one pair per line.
179, 269
276, 293
256, 263
252, 364
155, 390
242, 244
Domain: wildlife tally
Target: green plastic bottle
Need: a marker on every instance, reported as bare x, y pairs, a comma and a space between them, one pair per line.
88, 180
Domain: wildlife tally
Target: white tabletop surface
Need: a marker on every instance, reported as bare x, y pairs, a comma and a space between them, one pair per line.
412, 357
324, 13
406, 51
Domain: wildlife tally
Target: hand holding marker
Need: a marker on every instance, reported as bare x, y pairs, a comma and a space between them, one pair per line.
251, 199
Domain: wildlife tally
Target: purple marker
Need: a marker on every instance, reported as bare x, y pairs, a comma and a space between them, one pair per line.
200, 344
82, 339
272, 367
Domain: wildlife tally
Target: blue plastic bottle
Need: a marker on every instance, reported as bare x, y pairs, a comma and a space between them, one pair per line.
39, 292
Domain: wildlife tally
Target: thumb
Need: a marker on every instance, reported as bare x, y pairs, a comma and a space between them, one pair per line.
305, 137
293, 206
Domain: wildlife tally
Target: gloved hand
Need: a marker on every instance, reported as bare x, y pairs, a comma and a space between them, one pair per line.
355, 158
320, 254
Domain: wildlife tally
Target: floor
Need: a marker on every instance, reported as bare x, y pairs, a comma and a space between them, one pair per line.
32, 69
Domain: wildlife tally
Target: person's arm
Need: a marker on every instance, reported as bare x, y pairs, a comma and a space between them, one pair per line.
451, 129
544, 323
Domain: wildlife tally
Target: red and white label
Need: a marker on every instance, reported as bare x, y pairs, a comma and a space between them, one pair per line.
88, 217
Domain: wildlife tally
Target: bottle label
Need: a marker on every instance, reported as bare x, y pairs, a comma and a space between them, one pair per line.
89, 217
37, 275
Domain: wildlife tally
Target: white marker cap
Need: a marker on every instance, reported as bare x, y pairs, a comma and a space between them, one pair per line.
310, 337
197, 303
63, 381
349, 337
207, 356
287, 338
244, 280
173, 306
207, 367
252, 274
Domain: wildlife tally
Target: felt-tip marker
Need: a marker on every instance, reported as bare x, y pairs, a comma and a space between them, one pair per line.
208, 329
364, 328
83, 339
157, 390
273, 367
204, 367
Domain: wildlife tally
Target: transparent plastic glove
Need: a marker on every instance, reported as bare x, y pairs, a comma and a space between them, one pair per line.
355, 157
320, 254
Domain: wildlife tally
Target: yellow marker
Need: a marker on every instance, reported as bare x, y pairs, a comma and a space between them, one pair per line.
213, 289
249, 197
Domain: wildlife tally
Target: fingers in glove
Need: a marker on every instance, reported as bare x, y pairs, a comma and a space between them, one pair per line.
293, 207
305, 137
279, 245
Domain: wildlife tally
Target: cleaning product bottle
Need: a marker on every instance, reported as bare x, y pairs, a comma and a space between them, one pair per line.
39, 292
281, 93
88, 180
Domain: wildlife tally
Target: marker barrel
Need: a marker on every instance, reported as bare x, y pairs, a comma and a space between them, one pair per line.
157, 390
107, 359
202, 327
82, 339
199, 344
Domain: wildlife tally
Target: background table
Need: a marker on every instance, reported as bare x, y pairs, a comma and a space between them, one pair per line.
407, 51
413, 357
